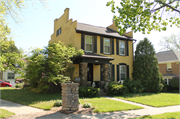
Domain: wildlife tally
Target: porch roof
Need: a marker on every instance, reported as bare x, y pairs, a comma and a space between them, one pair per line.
92, 58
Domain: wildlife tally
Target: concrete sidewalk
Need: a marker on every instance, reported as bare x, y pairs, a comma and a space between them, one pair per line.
33, 112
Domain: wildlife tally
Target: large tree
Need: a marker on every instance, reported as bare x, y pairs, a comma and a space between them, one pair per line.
146, 15
145, 67
171, 42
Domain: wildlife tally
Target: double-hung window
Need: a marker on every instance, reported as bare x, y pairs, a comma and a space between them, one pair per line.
88, 43
106, 46
10, 75
58, 32
121, 47
122, 72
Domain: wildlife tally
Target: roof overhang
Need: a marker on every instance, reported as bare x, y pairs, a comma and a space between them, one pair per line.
170, 61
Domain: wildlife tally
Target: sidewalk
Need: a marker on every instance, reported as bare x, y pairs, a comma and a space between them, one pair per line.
27, 112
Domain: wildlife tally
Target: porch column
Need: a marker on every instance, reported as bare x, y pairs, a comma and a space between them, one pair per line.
83, 73
105, 73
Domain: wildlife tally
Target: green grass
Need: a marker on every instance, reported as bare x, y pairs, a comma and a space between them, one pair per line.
26, 97
107, 105
5, 113
169, 115
155, 100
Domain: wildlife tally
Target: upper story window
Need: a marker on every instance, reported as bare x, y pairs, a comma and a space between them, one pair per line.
10, 75
58, 32
121, 47
106, 46
88, 43
122, 72
168, 66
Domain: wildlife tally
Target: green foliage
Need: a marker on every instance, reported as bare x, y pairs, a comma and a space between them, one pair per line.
174, 82
134, 86
19, 85
88, 91
144, 15
51, 64
145, 67
87, 105
116, 89
57, 103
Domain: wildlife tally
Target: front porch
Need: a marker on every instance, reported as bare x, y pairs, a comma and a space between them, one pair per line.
92, 68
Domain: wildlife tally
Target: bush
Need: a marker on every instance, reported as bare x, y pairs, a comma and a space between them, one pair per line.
174, 82
134, 86
58, 103
87, 105
88, 91
116, 89
19, 85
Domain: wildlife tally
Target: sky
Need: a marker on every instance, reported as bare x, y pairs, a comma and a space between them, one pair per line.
37, 24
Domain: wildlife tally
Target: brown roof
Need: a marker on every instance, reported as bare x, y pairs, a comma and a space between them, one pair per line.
171, 55
100, 30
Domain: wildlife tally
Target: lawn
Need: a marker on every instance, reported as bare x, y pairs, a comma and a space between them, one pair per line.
169, 115
107, 105
46, 101
5, 113
155, 100
26, 97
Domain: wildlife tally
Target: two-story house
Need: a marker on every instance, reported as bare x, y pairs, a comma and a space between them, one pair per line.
108, 55
169, 64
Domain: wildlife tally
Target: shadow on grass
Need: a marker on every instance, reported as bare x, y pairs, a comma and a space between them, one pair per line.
131, 95
26, 97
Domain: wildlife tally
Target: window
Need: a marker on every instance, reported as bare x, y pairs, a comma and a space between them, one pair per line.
106, 46
10, 75
88, 43
168, 66
122, 72
58, 32
121, 47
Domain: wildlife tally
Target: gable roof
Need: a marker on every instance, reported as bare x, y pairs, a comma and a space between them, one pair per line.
105, 31
166, 56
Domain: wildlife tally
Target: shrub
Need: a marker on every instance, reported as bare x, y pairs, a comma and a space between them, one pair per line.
174, 82
116, 89
87, 105
134, 86
19, 85
88, 91
58, 103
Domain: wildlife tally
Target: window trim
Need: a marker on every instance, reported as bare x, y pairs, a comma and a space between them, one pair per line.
58, 32
91, 43
109, 45
124, 48
121, 72
11, 75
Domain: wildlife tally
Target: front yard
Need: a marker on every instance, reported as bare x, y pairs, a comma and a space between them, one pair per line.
151, 99
4, 113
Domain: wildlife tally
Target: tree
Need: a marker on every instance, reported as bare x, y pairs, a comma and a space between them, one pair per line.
170, 43
145, 15
51, 64
145, 67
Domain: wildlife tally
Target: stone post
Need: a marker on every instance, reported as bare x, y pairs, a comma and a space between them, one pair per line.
70, 97
83, 73
105, 72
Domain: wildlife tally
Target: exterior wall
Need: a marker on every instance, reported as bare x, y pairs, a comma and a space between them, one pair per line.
96, 73
174, 67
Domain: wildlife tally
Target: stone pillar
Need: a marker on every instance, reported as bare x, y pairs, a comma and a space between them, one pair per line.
105, 73
70, 97
83, 74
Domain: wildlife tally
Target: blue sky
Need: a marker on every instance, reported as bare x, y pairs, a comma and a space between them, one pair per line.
38, 22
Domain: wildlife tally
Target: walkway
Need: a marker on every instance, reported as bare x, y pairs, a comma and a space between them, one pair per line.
26, 112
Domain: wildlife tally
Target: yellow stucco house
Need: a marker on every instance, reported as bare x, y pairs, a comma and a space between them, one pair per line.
108, 55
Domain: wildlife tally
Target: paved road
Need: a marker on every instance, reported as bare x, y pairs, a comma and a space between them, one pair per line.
26, 112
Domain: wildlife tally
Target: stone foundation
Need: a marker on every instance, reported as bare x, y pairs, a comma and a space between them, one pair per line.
83, 74
70, 97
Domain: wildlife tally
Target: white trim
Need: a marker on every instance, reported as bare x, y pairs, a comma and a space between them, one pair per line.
171, 61
107, 46
90, 44
120, 48
122, 72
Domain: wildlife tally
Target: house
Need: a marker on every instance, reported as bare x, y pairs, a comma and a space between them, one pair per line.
108, 55
10, 76
169, 64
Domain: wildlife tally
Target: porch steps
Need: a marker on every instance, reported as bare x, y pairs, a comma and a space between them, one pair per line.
101, 93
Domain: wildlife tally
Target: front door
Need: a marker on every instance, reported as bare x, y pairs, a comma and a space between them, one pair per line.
90, 73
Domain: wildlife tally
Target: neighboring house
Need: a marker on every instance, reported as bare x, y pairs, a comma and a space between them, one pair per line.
10, 76
108, 55
169, 64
